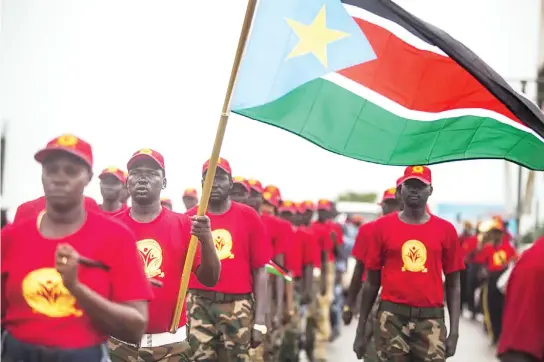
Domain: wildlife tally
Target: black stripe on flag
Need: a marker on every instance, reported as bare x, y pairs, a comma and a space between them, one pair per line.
525, 110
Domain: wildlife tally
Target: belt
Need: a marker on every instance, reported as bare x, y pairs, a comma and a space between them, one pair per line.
160, 339
411, 312
220, 297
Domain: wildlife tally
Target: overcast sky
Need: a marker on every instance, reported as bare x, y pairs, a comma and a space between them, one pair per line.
130, 74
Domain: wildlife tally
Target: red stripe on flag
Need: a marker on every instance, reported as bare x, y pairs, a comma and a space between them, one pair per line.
418, 79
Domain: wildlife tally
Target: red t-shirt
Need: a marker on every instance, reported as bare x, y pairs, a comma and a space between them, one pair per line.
412, 259
32, 209
497, 258
275, 228
311, 251
469, 245
362, 240
322, 232
294, 256
242, 245
39, 309
163, 245
123, 207
523, 312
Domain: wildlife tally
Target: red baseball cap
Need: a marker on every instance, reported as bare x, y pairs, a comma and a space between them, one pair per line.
114, 171
190, 192
300, 207
241, 181
421, 173
274, 190
256, 185
70, 144
221, 163
166, 200
308, 205
324, 204
389, 194
272, 199
287, 206
149, 154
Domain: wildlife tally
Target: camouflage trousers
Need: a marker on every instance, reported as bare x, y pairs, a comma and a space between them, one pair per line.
318, 326
290, 343
268, 350
122, 352
400, 338
219, 329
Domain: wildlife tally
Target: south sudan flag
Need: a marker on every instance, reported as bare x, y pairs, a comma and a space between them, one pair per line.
368, 80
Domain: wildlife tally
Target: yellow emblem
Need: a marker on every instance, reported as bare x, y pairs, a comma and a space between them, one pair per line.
45, 293
499, 258
145, 151
267, 195
414, 256
112, 169
67, 140
223, 244
272, 188
151, 253
287, 203
417, 169
238, 179
392, 191
252, 182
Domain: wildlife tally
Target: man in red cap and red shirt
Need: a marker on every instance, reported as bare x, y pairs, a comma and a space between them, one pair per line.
240, 190
57, 304
409, 252
230, 316
33, 208
166, 202
190, 198
112, 182
163, 240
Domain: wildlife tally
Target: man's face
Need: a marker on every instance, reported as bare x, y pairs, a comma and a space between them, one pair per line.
324, 214
110, 187
64, 177
124, 194
145, 182
222, 183
415, 193
255, 199
287, 216
268, 208
239, 193
389, 206
307, 216
189, 202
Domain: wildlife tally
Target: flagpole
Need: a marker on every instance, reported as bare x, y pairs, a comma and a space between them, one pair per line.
222, 126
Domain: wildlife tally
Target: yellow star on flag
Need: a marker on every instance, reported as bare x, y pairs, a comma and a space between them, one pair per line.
315, 37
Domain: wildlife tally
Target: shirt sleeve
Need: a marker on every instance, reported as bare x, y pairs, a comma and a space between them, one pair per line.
127, 276
283, 235
452, 254
260, 244
375, 253
523, 312
358, 247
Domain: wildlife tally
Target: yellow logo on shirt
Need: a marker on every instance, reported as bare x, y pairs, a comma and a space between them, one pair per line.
223, 244
414, 256
45, 293
499, 258
151, 253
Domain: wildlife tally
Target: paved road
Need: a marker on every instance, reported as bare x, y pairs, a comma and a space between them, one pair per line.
472, 346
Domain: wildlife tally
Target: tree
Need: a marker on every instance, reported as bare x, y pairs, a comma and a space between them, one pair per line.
358, 196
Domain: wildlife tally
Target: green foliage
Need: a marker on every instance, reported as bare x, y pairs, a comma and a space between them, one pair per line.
352, 196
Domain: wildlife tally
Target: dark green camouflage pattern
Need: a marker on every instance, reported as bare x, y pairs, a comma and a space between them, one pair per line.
399, 338
318, 324
122, 352
219, 326
290, 344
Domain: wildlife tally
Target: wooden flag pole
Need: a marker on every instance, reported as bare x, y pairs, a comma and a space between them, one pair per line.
246, 26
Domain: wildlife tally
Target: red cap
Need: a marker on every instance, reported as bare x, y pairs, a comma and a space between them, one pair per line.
300, 207
70, 144
241, 181
389, 194
287, 206
421, 173
274, 190
357, 218
190, 192
308, 205
324, 204
114, 171
146, 153
272, 199
166, 200
256, 185
221, 163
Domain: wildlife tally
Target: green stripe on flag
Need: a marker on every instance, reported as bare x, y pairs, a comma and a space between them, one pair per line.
272, 269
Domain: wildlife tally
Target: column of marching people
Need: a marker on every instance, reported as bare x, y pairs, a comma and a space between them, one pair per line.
88, 282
